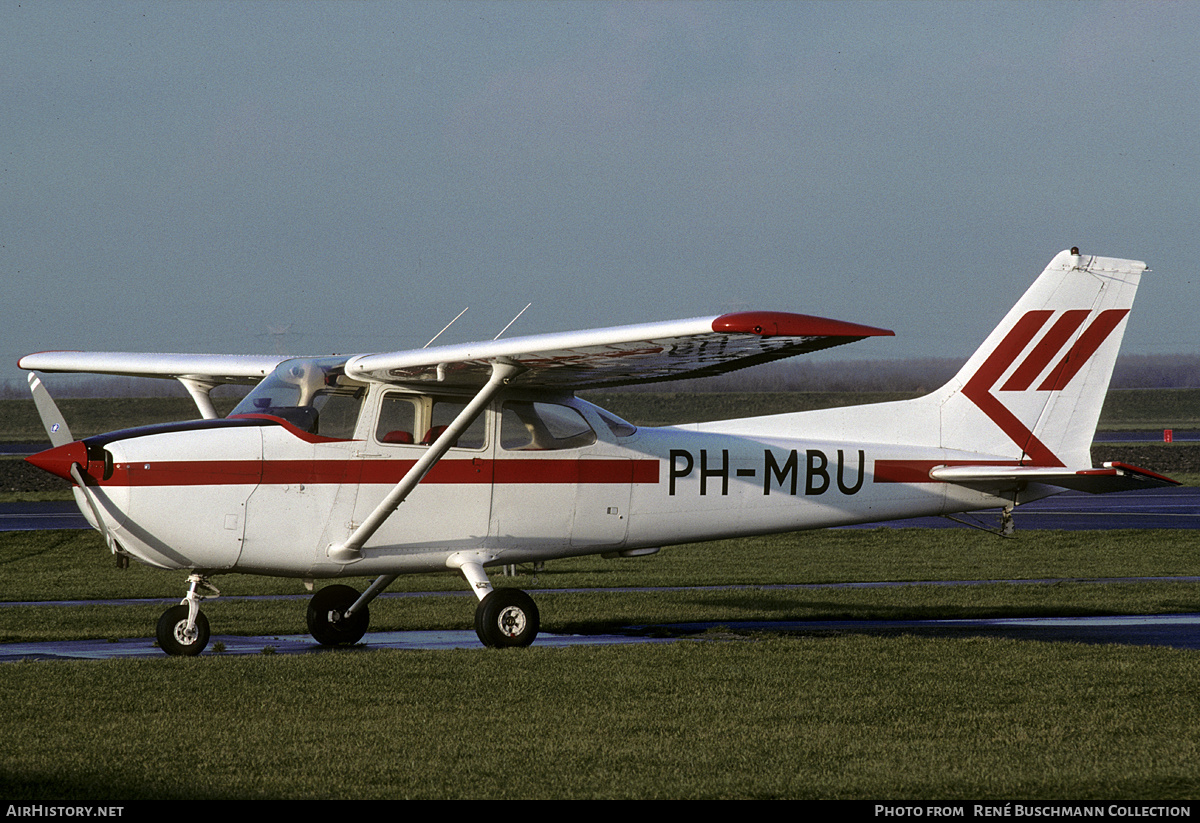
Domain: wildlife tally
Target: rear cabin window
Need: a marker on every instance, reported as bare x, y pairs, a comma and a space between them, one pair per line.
537, 426
442, 415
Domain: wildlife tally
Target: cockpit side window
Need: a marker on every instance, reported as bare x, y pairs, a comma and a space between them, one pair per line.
537, 426
338, 413
397, 419
412, 419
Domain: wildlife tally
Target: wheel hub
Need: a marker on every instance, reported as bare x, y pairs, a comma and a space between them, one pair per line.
512, 621
185, 637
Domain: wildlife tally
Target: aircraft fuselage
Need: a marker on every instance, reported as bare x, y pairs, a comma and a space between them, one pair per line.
258, 494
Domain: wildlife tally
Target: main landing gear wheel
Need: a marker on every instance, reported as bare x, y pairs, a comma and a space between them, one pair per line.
326, 620
173, 635
507, 617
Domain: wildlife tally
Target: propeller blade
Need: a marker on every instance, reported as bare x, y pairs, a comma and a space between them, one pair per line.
77, 476
47, 409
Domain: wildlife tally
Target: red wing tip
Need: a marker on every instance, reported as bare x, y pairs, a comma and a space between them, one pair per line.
786, 324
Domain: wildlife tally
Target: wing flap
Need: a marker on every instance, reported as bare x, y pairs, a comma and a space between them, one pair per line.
621, 355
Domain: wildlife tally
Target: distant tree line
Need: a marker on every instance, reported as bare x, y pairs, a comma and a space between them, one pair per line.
96, 385
1156, 371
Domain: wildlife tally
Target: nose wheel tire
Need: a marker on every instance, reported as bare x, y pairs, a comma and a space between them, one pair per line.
327, 621
173, 635
507, 617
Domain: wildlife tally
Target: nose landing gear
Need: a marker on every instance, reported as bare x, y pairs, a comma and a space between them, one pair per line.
183, 629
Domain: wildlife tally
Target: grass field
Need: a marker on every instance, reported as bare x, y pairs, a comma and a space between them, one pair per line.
845, 717
733, 716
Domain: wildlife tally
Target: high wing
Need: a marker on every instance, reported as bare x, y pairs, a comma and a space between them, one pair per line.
199, 373
212, 368
617, 356
621, 355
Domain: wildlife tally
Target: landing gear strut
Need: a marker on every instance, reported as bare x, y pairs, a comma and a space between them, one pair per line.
183, 629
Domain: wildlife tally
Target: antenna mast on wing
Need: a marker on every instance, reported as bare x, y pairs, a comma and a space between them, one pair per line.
448, 325
510, 322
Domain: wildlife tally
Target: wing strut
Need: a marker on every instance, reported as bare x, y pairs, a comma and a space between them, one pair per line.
199, 391
351, 549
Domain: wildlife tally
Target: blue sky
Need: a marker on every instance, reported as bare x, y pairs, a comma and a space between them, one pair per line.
189, 176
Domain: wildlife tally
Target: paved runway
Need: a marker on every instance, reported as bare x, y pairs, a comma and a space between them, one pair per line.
285, 644
1173, 508
30, 517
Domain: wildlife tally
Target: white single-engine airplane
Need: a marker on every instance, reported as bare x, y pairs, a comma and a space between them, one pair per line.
497, 462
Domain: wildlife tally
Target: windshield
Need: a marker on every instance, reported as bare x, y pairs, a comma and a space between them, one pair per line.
313, 394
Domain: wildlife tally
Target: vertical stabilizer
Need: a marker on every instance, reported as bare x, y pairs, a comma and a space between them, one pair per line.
1034, 389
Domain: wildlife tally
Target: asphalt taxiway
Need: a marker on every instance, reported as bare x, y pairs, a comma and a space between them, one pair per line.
1180, 631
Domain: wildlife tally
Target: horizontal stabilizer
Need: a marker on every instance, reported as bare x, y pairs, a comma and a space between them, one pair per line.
1111, 477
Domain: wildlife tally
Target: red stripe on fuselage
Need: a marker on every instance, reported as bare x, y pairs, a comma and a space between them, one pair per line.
376, 472
917, 471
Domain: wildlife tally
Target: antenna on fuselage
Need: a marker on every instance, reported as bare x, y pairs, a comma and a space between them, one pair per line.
448, 325
510, 322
